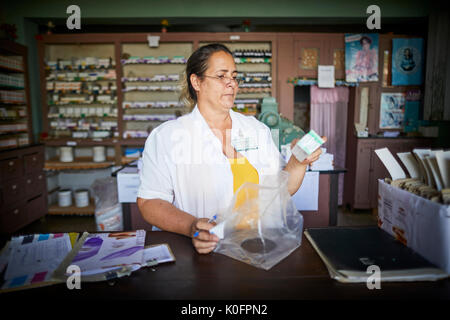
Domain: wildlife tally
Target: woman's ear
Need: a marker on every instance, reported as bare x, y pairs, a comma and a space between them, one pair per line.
195, 81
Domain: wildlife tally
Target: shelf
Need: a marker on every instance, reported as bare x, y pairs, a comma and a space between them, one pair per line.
85, 69
6, 69
72, 210
99, 79
73, 142
81, 163
133, 141
126, 160
4, 86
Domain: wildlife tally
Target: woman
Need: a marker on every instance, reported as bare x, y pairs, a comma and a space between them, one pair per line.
366, 63
192, 165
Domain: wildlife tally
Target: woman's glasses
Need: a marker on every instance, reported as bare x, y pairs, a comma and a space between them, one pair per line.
226, 80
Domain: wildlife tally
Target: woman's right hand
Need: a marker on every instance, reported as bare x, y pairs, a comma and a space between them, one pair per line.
203, 241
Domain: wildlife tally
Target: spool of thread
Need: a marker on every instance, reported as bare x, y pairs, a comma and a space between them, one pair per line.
99, 154
64, 198
65, 154
81, 198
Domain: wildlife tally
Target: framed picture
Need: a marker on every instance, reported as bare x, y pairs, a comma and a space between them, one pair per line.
407, 62
361, 57
392, 110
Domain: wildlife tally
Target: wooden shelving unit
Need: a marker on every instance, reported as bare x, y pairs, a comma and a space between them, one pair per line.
145, 80
129, 45
81, 163
15, 110
73, 210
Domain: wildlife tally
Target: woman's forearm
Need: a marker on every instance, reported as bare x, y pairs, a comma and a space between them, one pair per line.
296, 174
165, 216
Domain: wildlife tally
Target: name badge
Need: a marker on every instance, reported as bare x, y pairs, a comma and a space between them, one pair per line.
244, 142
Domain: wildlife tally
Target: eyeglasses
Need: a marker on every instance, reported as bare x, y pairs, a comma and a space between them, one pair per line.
226, 80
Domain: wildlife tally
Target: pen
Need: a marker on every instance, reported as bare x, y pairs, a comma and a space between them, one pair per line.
209, 221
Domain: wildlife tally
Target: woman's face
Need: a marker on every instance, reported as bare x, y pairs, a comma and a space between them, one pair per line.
366, 45
215, 92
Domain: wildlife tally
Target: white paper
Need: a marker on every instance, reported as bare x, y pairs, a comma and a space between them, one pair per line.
394, 168
307, 196
218, 230
432, 164
42, 255
443, 161
411, 164
153, 41
159, 253
363, 107
326, 77
420, 155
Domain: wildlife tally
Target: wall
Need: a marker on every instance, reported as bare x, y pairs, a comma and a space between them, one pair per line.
25, 14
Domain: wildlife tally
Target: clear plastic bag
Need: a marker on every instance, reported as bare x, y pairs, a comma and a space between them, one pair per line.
108, 210
262, 226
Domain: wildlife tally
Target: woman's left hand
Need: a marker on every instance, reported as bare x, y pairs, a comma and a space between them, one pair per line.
312, 157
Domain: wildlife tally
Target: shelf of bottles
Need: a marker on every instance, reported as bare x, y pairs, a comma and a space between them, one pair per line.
81, 91
254, 64
13, 105
151, 85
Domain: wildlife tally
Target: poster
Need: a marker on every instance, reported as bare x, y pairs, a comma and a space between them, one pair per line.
361, 57
407, 62
392, 110
412, 110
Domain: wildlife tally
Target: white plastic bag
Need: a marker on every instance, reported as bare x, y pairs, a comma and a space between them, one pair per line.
262, 226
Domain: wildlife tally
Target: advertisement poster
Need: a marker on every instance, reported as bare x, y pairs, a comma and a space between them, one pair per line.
361, 57
407, 62
392, 110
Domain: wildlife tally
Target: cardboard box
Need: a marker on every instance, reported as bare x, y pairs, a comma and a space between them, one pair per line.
419, 223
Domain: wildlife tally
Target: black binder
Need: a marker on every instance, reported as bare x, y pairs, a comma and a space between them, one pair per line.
349, 251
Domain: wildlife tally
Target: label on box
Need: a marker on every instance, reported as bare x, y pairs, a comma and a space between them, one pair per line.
310, 142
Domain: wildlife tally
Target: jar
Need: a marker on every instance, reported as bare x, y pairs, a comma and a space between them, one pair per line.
99, 154
64, 198
81, 198
66, 154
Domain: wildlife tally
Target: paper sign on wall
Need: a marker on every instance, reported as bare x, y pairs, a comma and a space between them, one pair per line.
326, 77
153, 41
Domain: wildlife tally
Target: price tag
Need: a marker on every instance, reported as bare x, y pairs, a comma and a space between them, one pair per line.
235, 37
71, 143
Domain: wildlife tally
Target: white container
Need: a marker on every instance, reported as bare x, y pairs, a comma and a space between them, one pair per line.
64, 198
66, 154
99, 154
81, 198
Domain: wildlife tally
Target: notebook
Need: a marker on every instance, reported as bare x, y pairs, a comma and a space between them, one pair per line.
349, 251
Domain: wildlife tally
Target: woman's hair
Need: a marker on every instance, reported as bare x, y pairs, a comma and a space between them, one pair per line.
365, 38
197, 64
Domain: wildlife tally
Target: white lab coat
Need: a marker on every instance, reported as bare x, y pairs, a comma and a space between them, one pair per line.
183, 162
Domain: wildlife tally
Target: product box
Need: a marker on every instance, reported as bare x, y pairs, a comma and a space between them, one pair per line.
419, 223
128, 184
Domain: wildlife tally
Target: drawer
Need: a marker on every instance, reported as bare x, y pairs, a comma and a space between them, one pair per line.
12, 192
33, 162
36, 208
35, 184
10, 169
13, 219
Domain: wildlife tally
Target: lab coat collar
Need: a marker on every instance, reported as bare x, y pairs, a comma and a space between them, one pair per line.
236, 125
